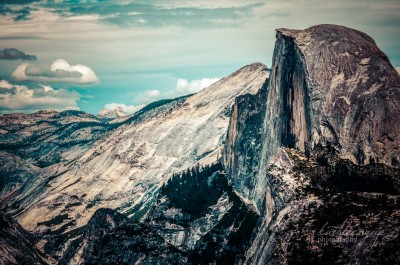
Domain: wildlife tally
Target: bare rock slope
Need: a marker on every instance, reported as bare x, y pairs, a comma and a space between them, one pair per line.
125, 167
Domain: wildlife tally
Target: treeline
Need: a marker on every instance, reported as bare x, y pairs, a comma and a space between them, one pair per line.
192, 191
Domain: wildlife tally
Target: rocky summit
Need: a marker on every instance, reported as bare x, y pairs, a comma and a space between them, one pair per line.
297, 164
336, 87
322, 151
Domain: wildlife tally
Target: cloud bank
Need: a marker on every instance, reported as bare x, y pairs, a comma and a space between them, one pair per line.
184, 87
15, 54
155, 13
17, 98
59, 71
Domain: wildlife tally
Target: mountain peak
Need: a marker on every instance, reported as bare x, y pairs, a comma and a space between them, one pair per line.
254, 66
249, 69
116, 113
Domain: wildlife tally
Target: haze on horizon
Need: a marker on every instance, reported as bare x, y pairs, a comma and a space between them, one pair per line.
91, 55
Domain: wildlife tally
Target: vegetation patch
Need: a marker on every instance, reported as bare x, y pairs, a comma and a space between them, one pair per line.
191, 192
194, 191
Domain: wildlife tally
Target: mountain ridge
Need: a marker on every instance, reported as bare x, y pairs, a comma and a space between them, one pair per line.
125, 167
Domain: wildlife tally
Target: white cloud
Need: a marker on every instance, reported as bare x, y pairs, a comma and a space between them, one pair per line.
17, 98
59, 71
184, 87
5, 84
129, 109
152, 93
47, 88
147, 96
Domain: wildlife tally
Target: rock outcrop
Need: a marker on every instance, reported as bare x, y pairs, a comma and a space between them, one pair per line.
111, 238
112, 114
311, 219
243, 146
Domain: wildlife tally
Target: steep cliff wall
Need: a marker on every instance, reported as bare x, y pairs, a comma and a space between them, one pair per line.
242, 152
330, 86
332, 102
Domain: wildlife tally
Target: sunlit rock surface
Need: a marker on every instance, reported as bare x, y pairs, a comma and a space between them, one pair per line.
333, 85
124, 168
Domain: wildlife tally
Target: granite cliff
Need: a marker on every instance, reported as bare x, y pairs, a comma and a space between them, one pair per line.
328, 144
329, 86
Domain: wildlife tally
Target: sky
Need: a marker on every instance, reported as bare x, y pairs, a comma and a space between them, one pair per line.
91, 55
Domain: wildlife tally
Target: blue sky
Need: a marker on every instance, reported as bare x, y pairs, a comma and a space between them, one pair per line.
91, 54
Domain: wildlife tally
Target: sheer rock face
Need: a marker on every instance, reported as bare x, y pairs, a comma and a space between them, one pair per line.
242, 152
329, 86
